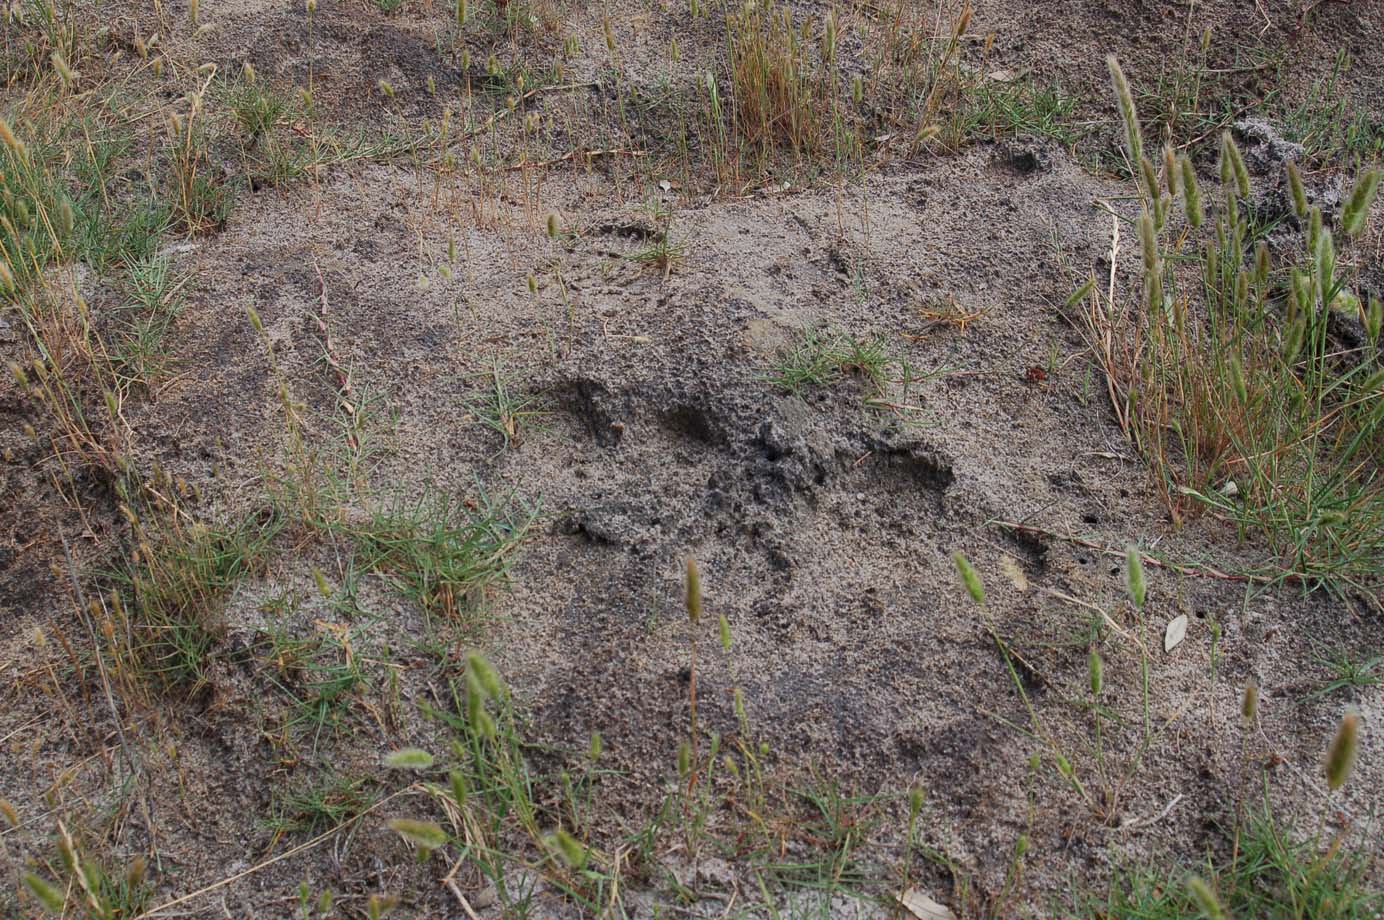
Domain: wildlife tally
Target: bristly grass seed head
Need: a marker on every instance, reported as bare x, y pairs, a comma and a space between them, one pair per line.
1357, 207
1134, 139
694, 592
1340, 757
1205, 898
1298, 192
1233, 165
1095, 671
969, 577
1134, 577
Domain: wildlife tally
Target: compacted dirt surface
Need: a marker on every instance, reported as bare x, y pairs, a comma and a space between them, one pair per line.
639, 336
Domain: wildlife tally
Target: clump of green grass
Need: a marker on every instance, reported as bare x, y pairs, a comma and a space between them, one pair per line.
820, 358
504, 408
168, 620
329, 800
255, 108
1227, 377
1271, 875
1326, 123
154, 300
1346, 672
441, 552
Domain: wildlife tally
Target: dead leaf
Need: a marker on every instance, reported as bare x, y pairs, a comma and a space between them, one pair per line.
1175, 633
1006, 75
1015, 573
923, 907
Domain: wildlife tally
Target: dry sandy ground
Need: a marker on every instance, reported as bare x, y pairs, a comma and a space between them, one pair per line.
824, 526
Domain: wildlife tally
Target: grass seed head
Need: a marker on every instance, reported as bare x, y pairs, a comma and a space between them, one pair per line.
970, 578
11, 142
694, 592
1148, 240
1340, 757
1249, 703
1237, 379
1298, 192
1326, 266
1357, 207
425, 835
1150, 179
51, 897
1129, 115
1134, 577
486, 676
1095, 671
568, 848
1205, 898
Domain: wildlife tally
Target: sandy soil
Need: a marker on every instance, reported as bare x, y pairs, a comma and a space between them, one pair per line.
824, 526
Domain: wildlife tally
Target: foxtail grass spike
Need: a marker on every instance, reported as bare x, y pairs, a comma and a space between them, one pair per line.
1134, 577
1148, 239
569, 848
1262, 264
50, 896
1357, 207
1237, 380
1095, 671
425, 835
1233, 165
1153, 292
1326, 267
1150, 179
486, 675
1249, 703
725, 633
1205, 898
1134, 140
1298, 192
1295, 338
694, 592
970, 578
1172, 172
1340, 757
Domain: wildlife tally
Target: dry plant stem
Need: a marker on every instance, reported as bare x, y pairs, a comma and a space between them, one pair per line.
505, 112
258, 867
1179, 568
461, 898
587, 155
80, 597
692, 706
343, 380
